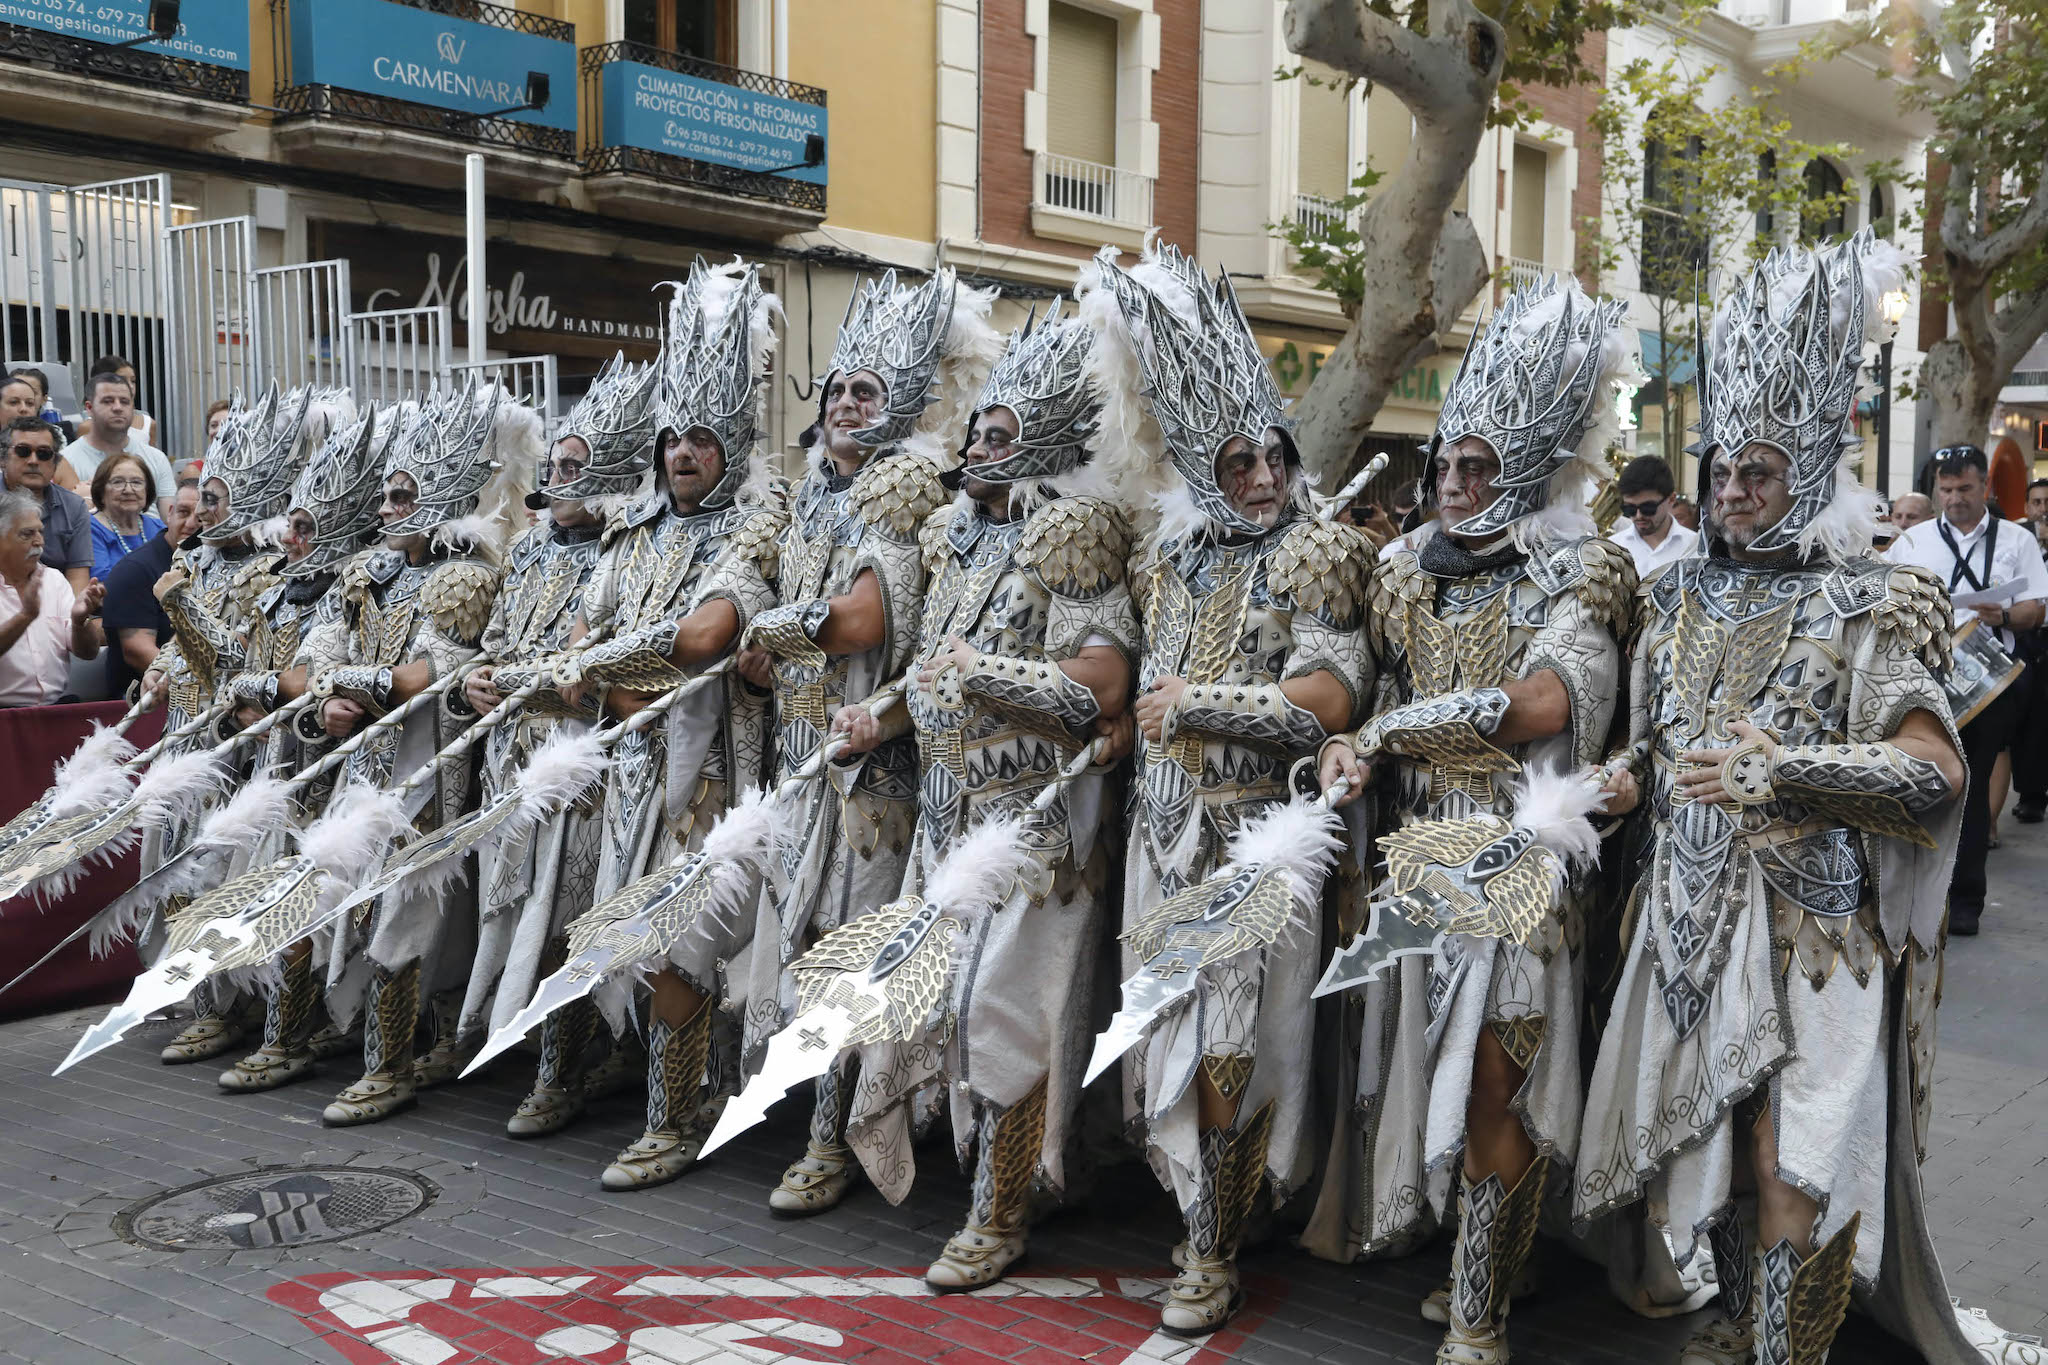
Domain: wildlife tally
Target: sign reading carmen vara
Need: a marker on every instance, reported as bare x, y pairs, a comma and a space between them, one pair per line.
381, 47
539, 300
703, 120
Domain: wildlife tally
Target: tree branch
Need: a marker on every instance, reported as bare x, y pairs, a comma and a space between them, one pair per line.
2023, 234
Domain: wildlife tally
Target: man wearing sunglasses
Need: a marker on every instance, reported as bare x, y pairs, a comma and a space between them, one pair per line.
1971, 549
31, 447
1652, 537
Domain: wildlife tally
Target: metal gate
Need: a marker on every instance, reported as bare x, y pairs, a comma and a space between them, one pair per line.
116, 231
398, 352
302, 324
28, 285
529, 378
211, 325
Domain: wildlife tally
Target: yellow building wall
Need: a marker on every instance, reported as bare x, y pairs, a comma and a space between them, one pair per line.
878, 63
262, 54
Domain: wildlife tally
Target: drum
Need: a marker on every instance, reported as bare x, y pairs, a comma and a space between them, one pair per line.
1982, 671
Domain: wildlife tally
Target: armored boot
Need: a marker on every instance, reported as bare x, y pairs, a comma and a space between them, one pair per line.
821, 1178
389, 1023
556, 1099
1436, 1305
217, 1028
1207, 1294
1801, 1302
676, 1057
993, 1240
287, 1024
1730, 1337
1496, 1228
444, 1061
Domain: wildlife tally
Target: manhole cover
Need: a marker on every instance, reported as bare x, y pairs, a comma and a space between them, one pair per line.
279, 1206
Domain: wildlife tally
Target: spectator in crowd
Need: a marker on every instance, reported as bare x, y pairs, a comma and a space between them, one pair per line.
22, 396
30, 445
110, 402
1971, 550
135, 623
140, 422
1649, 534
122, 494
216, 412
1685, 512
1910, 509
2030, 745
46, 407
42, 623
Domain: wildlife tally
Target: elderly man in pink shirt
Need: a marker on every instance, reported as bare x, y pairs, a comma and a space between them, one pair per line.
42, 623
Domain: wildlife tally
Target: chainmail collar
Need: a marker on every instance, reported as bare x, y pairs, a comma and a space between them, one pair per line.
1715, 551
577, 535
301, 591
1443, 557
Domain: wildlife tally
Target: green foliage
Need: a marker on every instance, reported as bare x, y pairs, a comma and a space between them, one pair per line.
1332, 254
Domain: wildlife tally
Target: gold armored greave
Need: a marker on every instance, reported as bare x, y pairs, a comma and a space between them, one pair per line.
565, 1039
1233, 1169
676, 1057
391, 1021
1010, 1143
288, 1014
1496, 1228
1801, 1303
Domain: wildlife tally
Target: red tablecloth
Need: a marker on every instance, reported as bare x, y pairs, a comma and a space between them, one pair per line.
33, 740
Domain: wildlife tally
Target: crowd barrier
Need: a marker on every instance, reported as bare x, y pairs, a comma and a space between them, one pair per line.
33, 740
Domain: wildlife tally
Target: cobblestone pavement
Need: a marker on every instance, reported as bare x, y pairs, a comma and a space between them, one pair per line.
448, 1243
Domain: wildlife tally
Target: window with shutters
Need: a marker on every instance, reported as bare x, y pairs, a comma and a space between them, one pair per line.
1322, 153
1530, 190
1093, 87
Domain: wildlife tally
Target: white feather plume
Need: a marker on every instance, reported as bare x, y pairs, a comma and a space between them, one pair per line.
981, 870
561, 769
269, 533
252, 814
1554, 805
740, 847
1847, 527
349, 840
971, 348
177, 788
328, 411
92, 776
1298, 836
1130, 451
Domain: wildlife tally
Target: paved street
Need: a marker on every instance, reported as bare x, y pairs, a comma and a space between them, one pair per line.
507, 1252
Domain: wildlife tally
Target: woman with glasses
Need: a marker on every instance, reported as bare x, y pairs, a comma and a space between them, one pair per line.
123, 491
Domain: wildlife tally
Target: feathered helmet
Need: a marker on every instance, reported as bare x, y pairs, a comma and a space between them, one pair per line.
259, 451
340, 488
924, 341
1782, 363
715, 355
615, 419
1540, 387
1043, 378
1181, 343
466, 451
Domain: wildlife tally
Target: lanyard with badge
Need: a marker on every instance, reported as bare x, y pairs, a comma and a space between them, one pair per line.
1963, 569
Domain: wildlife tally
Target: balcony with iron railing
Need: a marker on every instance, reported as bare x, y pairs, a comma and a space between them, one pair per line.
1522, 271
675, 137
66, 66
1084, 201
324, 121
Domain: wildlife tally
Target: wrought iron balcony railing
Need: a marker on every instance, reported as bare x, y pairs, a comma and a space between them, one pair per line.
606, 152
123, 65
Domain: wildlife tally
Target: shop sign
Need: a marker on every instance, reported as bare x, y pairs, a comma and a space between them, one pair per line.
215, 32
379, 47
704, 120
539, 300
1296, 364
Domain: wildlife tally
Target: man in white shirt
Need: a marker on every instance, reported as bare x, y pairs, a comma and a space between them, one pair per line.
1971, 551
42, 624
1649, 534
110, 403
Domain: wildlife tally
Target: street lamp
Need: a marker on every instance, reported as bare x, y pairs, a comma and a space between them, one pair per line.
1893, 305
